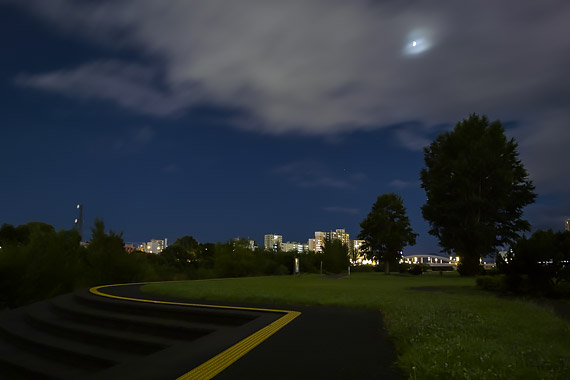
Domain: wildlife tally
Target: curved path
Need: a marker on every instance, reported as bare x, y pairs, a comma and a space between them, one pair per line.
86, 335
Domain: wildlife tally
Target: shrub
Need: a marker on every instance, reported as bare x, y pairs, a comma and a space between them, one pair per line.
495, 283
363, 268
416, 270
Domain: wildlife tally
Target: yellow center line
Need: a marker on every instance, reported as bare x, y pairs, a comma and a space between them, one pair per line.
218, 363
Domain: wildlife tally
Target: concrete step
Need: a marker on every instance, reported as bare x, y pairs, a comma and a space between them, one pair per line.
71, 352
18, 363
42, 316
68, 308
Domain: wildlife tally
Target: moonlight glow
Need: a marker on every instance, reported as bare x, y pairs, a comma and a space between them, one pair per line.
418, 41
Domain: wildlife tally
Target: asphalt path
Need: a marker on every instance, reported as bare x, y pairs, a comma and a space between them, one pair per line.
322, 343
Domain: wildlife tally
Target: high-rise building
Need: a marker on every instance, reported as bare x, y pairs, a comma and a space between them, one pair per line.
317, 244
154, 245
273, 242
294, 246
338, 234
567, 225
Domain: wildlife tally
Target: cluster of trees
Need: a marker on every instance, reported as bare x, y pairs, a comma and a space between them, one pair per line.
38, 262
476, 189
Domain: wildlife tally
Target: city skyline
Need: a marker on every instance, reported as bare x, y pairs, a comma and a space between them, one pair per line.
206, 119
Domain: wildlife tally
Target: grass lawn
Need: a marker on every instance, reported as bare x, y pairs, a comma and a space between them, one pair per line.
443, 327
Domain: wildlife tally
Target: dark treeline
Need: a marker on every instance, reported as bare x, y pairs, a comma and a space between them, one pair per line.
38, 262
539, 264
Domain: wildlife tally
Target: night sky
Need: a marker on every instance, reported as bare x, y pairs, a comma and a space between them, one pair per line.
220, 119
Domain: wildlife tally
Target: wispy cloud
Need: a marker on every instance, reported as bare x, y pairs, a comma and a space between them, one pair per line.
400, 184
143, 135
412, 139
307, 174
342, 210
171, 169
128, 85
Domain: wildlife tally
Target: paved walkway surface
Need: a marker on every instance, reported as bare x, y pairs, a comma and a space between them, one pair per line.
322, 343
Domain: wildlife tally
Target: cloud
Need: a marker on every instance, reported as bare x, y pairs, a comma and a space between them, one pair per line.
171, 169
342, 210
322, 66
548, 216
329, 66
544, 145
129, 85
308, 174
413, 138
143, 135
403, 184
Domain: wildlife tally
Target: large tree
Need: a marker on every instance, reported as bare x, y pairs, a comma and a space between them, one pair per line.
386, 230
476, 190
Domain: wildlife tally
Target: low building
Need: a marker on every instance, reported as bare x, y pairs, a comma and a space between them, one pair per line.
154, 246
129, 247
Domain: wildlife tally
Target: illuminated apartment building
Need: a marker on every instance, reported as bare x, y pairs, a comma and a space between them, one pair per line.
293, 246
338, 234
317, 244
273, 242
154, 246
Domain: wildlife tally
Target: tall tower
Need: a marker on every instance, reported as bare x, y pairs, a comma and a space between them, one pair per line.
567, 225
79, 221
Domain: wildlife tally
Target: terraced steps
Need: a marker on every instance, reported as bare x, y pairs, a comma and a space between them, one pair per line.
85, 336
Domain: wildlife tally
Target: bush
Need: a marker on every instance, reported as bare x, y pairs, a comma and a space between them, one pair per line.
40, 265
494, 283
538, 264
416, 270
363, 268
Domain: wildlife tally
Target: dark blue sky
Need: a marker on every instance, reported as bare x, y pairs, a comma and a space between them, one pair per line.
224, 121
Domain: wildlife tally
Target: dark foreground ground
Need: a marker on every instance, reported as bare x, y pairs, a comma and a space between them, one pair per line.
105, 338
322, 343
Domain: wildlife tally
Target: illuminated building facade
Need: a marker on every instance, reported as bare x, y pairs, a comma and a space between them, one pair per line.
154, 246
273, 242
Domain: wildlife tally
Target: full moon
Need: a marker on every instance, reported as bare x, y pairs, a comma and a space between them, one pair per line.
414, 43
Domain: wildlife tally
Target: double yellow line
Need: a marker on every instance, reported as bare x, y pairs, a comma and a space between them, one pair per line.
218, 363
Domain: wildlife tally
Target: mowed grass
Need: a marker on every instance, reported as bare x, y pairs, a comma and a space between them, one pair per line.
443, 327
